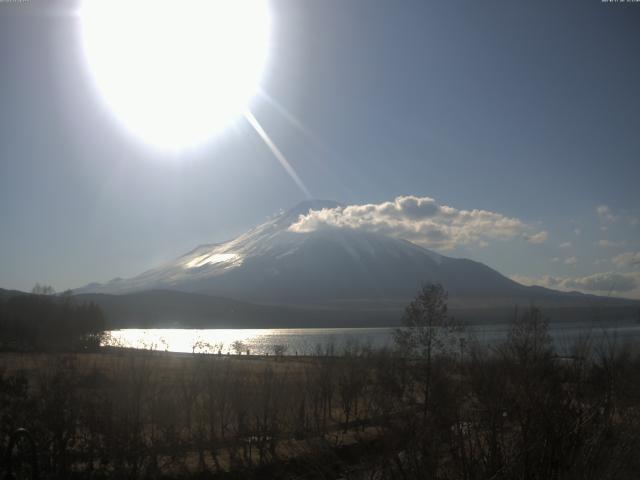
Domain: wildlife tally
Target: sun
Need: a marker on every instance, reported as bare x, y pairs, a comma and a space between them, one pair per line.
176, 72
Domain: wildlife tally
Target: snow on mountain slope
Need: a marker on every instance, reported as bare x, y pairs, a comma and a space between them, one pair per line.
270, 264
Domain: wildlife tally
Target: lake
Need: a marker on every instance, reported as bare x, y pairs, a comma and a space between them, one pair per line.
308, 341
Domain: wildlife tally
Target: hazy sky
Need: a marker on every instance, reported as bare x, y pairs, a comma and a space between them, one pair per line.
527, 110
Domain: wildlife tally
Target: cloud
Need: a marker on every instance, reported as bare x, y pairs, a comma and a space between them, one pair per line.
604, 282
566, 245
605, 214
609, 243
627, 259
422, 220
539, 237
573, 261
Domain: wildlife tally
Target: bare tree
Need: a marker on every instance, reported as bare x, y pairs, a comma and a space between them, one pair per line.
42, 289
428, 330
279, 350
238, 347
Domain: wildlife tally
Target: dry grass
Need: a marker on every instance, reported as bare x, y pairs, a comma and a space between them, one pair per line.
136, 414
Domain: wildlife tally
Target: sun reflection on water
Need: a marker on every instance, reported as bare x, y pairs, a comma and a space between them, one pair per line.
186, 340
312, 341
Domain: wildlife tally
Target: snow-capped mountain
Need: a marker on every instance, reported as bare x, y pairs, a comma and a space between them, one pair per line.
271, 264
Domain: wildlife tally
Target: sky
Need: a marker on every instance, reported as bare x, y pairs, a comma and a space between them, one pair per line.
501, 131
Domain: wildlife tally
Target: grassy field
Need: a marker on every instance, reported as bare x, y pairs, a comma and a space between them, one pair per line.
215, 413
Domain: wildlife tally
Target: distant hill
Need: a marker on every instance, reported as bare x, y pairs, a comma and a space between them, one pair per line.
174, 309
5, 294
166, 308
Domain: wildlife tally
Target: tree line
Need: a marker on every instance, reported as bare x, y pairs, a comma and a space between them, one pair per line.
45, 321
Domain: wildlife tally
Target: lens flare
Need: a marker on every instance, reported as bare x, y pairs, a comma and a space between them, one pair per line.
176, 72
253, 121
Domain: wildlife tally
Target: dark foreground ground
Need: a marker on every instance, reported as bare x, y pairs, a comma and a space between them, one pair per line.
518, 411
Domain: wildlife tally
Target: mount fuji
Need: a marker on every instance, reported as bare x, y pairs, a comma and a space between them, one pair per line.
331, 269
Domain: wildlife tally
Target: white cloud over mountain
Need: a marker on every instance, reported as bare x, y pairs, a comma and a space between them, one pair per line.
602, 283
423, 221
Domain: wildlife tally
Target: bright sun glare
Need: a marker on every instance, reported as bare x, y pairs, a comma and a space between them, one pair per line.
176, 72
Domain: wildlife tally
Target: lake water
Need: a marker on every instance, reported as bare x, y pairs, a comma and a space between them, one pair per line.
309, 341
